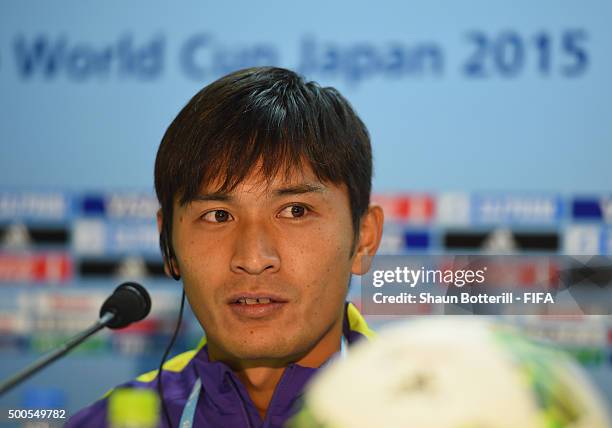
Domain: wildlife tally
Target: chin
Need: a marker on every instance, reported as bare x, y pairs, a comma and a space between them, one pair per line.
260, 351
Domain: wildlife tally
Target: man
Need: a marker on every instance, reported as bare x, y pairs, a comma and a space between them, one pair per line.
264, 185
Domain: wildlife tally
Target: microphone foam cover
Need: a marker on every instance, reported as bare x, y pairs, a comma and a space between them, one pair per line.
129, 302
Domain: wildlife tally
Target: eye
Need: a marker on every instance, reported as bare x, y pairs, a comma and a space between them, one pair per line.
217, 216
293, 211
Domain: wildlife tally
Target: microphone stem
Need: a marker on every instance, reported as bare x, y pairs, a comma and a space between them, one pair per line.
55, 354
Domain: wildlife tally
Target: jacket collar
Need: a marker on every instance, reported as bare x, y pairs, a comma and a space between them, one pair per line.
220, 385
354, 326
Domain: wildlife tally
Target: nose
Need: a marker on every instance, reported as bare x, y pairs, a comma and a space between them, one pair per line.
254, 251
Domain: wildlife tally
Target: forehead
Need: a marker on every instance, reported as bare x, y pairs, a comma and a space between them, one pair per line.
296, 179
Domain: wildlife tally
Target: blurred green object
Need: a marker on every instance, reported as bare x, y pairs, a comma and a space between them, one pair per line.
452, 373
133, 408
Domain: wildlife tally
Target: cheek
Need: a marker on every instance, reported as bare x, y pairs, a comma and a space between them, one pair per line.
326, 244
200, 262
319, 261
195, 250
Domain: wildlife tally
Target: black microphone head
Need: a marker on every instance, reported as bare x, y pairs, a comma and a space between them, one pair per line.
129, 302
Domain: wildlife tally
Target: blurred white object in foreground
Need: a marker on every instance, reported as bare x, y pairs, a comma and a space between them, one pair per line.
452, 373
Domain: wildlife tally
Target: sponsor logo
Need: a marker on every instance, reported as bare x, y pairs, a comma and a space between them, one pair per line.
463, 209
11, 323
33, 206
582, 240
416, 240
97, 237
20, 236
120, 206
592, 209
132, 206
502, 241
93, 206
406, 208
606, 241
453, 209
130, 267
513, 209
40, 267
392, 240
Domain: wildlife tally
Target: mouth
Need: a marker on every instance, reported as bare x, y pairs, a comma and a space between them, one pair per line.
256, 305
255, 299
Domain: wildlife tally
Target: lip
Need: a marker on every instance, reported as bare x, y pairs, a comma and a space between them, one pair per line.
257, 311
275, 298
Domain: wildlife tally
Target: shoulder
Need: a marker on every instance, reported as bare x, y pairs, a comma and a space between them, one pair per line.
355, 325
177, 364
177, 380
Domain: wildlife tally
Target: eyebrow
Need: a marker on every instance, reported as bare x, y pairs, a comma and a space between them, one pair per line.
297, 189
300, 189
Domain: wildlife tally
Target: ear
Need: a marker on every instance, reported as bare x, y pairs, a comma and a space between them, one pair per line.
370, 234
167, 267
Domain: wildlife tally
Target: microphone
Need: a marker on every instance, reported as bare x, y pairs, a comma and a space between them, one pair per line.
130, 302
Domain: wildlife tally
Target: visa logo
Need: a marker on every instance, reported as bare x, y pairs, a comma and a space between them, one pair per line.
52, 57
93, 205
139, 206
592, 209
416, 239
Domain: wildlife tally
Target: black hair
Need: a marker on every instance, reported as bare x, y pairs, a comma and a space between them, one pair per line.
265, 116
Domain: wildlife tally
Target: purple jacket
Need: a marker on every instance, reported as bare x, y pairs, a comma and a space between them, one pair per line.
223, 401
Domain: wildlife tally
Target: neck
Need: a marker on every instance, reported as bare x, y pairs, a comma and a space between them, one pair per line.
261, 377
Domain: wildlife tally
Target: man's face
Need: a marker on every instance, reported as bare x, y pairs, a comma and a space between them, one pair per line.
266, 268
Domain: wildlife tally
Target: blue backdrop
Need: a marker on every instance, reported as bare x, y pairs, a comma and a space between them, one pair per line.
489, 117
457, 95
